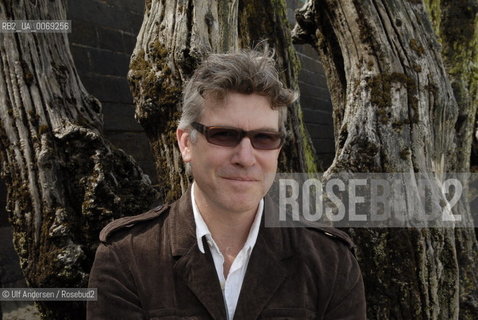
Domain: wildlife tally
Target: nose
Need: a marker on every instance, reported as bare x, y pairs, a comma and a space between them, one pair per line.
244, 153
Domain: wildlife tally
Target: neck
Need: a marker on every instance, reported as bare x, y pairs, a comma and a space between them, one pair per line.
229, 229
229, 232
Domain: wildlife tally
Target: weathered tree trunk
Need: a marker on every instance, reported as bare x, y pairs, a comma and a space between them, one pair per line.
456, 25
174, 37
455, 22
64, 180
394, 111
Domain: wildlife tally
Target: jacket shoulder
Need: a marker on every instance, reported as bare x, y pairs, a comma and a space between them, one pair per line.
130, 221
336, 235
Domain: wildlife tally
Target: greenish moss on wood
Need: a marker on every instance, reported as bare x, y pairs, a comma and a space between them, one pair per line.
147, 4
370, 64
380, 92
168, 184
416, 67
309, 154
154, 85
416, 46
380, 87
404, 154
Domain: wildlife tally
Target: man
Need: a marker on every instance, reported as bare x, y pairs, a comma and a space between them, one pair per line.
209, 255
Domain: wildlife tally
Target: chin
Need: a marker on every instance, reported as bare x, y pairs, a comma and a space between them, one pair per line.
241, 204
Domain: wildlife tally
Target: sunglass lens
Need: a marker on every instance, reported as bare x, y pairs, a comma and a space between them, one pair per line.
223, 136
266, 140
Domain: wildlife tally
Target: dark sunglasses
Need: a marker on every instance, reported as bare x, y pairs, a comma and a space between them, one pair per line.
231, 137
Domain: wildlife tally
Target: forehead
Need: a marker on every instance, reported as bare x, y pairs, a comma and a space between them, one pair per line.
246, 111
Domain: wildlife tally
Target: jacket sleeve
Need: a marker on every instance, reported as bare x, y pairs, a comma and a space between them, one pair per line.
117, 296
348, 301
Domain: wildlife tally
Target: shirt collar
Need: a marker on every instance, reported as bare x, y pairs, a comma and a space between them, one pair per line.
203, 230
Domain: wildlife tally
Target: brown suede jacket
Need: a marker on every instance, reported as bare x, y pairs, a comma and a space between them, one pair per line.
149, 267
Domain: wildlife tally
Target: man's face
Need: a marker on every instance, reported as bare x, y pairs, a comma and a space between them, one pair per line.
232, 179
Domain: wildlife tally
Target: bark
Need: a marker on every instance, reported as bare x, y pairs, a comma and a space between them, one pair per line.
455, 23
456, 26
173, 39
394, 111
64, 180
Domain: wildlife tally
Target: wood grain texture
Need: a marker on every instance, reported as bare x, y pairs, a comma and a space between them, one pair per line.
64, 180
394, 111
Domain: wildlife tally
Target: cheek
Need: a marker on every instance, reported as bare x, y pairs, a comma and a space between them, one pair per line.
269, 162
209, 158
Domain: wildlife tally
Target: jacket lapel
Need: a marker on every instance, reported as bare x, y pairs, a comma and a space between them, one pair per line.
198, 272
195, 268
265, 272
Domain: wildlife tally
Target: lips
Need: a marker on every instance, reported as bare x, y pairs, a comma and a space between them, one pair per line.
241, 178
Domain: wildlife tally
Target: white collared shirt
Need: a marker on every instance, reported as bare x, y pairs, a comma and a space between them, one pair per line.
231, 286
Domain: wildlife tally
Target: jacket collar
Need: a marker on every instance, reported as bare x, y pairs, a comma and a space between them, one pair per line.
183, 229
265, 272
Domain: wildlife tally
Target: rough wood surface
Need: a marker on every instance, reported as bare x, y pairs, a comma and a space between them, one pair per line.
64, 180
394, 111
456, 24
174, 37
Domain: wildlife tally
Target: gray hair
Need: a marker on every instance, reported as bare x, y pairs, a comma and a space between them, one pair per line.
246, 72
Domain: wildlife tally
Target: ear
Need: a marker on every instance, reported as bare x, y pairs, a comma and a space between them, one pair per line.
184, 144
